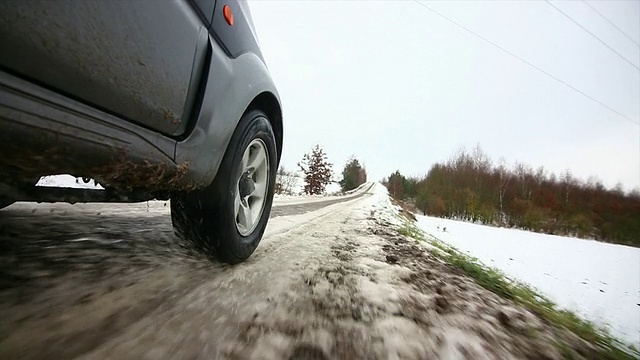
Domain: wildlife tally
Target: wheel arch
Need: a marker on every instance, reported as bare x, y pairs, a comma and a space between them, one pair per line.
234, 86
269, 104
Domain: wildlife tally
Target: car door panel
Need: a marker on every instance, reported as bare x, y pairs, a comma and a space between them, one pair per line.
205, 8
136, 59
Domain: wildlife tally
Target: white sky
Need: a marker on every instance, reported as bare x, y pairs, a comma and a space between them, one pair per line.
401, 88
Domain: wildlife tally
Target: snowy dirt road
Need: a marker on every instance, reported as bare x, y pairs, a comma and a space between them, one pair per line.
330, 280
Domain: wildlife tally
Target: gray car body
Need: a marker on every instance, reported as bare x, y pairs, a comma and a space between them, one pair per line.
139, 95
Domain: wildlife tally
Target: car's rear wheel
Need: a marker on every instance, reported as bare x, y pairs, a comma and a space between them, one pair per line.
5, 201
12, 188
227, 218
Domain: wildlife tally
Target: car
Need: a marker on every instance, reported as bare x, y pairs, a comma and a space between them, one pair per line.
168, 100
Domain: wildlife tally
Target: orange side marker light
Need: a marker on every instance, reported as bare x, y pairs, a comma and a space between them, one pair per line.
228, 15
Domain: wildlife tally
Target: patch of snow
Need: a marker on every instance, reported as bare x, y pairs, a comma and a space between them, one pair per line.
362, 186
68, 181
333, 188
379, 205
599, 281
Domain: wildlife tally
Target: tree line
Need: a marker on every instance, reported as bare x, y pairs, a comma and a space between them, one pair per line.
317, 173
470, 187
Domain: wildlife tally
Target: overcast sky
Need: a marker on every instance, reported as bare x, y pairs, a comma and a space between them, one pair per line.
401, 88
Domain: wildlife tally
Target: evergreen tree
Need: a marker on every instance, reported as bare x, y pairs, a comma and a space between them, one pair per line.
353, 175
317, 171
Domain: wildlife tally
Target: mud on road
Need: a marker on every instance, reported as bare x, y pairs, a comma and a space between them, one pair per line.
334, 282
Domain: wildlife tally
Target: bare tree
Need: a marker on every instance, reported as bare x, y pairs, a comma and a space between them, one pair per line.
481, 161
567, 181
285, 181
523, 175
503, 171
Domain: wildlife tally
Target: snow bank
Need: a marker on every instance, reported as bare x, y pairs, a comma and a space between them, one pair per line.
380, 206
597, 280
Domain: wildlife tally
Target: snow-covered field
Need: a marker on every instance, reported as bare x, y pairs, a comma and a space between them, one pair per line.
599, 281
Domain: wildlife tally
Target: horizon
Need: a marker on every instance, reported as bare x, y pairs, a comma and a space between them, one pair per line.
402, 88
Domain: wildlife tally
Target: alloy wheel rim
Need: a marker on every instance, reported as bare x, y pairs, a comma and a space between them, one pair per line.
251, 187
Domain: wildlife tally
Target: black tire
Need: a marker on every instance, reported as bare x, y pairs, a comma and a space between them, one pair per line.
4, 202
17, 188
208, 216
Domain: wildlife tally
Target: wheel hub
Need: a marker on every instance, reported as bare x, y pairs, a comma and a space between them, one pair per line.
246, 185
